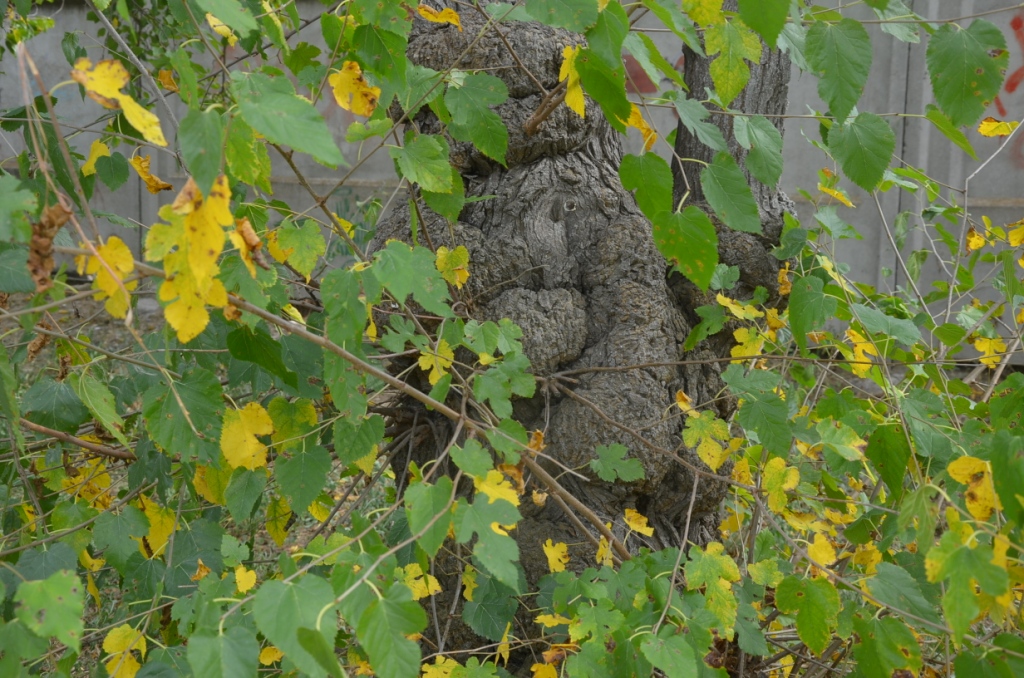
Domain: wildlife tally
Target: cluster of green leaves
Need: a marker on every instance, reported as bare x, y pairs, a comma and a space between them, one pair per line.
880, 532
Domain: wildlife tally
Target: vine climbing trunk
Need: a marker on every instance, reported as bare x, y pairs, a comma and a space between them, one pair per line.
558, 246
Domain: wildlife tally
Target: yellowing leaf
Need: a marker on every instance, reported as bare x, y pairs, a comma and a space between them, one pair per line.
704, 12
351, 90
704, 433
161, 527
166, 79
990, 127
804, 521
980, 496
765, 573
638, 523
221, 29
205, 220
551, 620
120, 643
238, 439
785, 284
278, 514
503, 646
103, 85
496, 487
154, 184
636, 121
862, 348
445, 16
684, 403
991, 350
836, 193
245, 579
469, 583
270, 655
97, 150
558, 555
89, 563
1016, 235
750, 343
112, 265
604, 552
867, 556
544, 671
573, 91
365, 464
741, 472
776, 480
320, 509
211, 483
821, 550
453, 265
975, 240
123, 666
441, 668
437, 362
422, 585
743, 312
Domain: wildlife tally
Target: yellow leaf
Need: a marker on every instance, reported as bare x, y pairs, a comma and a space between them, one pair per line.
835, 193
638, 523
573, 92
604, 552
776, 480
211, 483
280, 255
1016, 235
245, 579
503, 646
120, 643
991, 350
743, 312
636, 121
750, 343
445, 16
422, 585
437, 362
89, 563
684, 403
154, 184
320, 509
741, 472
544, 671
221, 29
821, 550
773, 319
270, 655
551, 620
990, 127
123, 666
188, 317
109, 278
441, 668
785, 285
980, 496
90, 586
201, 571
805, 521
868, 556
205, 220
166, 79
453, 265
238, 439
365, 464
704, 12
496, 487
862, 348
731, 523
558, 555
92, 484
97, 150
161, 527
975, 240
469, 583
539, 498
278, 515
351, 90
103, 85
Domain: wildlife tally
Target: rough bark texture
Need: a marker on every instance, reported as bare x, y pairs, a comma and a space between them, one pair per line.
562, 249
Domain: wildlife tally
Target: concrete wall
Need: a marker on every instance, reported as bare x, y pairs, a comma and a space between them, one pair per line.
898, 83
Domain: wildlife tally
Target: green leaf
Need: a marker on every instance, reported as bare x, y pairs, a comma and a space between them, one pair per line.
963, 566
900, 329
1008, 474
201, 136
353, 442
306, 242
693, 114
863, 147
280, 609
606, 36
247, 158
668, 12
649, 175
393, 16
949, 130
688, 240
472, 117
54, 404
729, 194
258, 347
503, 380
53, 607
669, 652
382, 631
611, 463
838, 438
112, 170
383, 54
302, 476
651, 60
840, 54
896, 588
809, 308
759, 136
406, 270
270, 106
322, 650
576, 15
493, 606
244, 492
100, 401
964, 73
113, 532
423, 502
498, 553
735, 44
606, 85
424, 160
449, 205
14, 275
816, 603
767, 17
887, 647
889, 452
230, 654
472, 458
232, 13
768, 416
186, 419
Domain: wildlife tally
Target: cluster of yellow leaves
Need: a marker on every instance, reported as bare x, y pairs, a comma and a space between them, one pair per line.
154, 184
573, 90
980, 497
189, 247
990, 127
557, 554
437, 362
103, 85
351, 90
862, 348
453, 265
422, 585
238, 440
121, 644
444, 16
112, 263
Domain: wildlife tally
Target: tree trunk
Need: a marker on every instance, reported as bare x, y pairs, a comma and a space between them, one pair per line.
561, 249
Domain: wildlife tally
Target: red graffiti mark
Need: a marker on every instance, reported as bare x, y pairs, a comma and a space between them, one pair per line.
1013, 82
1015, 78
